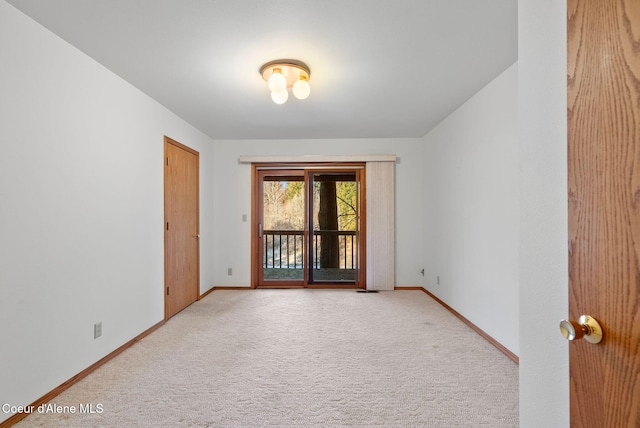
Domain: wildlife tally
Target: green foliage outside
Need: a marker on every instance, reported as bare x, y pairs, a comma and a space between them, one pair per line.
284, 204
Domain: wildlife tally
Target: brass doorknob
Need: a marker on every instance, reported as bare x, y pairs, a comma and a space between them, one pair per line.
587, 327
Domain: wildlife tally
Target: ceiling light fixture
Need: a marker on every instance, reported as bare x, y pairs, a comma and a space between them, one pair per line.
283, 74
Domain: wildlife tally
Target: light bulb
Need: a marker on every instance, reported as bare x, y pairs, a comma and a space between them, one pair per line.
301, 89
280, 97
277, 81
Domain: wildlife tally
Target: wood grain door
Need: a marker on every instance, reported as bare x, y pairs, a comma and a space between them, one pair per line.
181, 227
604, 208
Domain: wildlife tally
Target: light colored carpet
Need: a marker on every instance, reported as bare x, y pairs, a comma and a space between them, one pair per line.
302, 358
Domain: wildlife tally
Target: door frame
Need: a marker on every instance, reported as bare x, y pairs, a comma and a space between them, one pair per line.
256, 239
256, 212
169, 141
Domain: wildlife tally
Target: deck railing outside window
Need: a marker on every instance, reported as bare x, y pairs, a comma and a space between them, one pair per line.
284, 249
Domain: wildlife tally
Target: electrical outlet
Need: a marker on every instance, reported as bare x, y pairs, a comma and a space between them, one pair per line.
244, 217
438, 279
97, 330
230, 271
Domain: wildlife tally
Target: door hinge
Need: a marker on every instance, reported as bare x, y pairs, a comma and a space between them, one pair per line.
167, 225
167, 161
167, 291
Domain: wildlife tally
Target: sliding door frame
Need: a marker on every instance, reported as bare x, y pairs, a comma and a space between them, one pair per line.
256, 218
257, 247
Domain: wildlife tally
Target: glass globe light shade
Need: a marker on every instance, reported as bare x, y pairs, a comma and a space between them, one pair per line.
301, 89
277, 81
280, 97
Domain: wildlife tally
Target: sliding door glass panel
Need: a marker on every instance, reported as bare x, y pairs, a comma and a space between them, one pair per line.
282, 230
333, 254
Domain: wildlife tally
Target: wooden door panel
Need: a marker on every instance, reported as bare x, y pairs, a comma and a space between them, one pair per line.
181, 227
604, 208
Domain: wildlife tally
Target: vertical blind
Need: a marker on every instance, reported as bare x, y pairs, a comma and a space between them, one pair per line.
380, 225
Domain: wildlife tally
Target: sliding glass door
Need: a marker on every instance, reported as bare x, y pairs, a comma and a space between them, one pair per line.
307, 226
334, 206
281, 230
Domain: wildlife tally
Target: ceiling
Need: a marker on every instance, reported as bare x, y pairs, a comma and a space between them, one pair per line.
379, 68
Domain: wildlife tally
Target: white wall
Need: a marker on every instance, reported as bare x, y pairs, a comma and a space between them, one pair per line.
544, 378
471, 209
232, 188
81, 209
